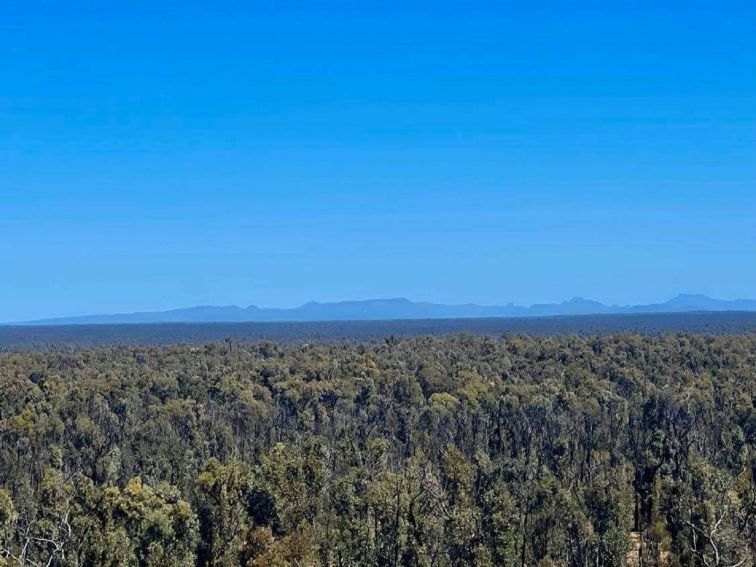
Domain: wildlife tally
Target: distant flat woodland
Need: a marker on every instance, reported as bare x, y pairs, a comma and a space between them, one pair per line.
603, 450
14, 337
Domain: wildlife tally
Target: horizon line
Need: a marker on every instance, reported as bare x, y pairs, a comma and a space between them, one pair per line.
252, 306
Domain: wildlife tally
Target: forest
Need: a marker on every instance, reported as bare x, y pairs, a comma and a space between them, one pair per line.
31, 337
618, 449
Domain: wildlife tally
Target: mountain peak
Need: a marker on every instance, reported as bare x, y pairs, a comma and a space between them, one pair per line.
692, 299
581, 301
687, 296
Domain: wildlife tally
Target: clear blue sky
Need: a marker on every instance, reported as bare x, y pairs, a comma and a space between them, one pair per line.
165, 154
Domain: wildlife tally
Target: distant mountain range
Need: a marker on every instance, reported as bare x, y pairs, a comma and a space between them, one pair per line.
400, 308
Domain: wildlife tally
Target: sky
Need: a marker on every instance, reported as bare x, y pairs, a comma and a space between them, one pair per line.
156, 155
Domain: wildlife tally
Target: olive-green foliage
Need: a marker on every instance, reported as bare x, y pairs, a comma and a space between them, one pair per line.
420, 452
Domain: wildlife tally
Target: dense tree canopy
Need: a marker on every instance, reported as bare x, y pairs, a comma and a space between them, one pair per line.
594, 451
